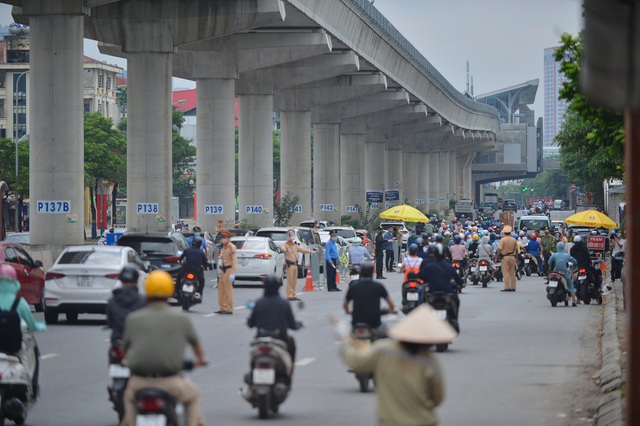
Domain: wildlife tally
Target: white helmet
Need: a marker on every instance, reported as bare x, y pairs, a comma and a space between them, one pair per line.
577, 239
521, 233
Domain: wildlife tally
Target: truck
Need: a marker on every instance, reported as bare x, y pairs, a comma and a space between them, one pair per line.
465, 208
491, 200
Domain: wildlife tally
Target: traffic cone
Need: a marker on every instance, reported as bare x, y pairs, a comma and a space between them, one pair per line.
338, 277
308, 286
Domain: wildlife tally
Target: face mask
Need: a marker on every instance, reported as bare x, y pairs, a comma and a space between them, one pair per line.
334, 239
196, 234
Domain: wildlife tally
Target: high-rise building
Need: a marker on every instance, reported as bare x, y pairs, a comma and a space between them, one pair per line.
554, 108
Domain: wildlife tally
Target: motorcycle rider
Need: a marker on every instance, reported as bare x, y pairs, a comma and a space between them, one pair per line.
485, 252
580, 252
558, 262
459, 253
365, 295
437, 274
357, 253
9, 287
548, 248
473, 245
125, 300
194, 260
446, 253
533, 248
155, 338
411, 263
272, 316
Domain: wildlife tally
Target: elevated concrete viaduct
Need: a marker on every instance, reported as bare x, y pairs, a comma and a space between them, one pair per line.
382, 116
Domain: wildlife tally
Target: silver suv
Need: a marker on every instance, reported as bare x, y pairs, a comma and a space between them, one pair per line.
305, 237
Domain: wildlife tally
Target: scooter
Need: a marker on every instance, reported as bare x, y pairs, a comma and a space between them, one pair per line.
19, 380
557, 289
188, 294
363, 331
531, 265
460, 271
156, 407
588, 289
119, 375
497, 274
410, 295
444, 308
473, 262
269, 381
483, 274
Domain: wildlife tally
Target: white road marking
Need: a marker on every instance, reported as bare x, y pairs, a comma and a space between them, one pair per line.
47, 356
213, 314
305, 361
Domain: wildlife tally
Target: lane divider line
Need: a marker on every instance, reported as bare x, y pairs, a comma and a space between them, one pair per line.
304, 361
48, 356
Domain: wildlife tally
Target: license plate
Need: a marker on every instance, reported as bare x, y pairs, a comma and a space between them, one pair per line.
187, 288
85, 281
242, 261
553, 284
165, 266
442, 314
412, 297
151, 420
118, 371
483, 268
458, 271
264, 376
582, 277
498, 265
527, 260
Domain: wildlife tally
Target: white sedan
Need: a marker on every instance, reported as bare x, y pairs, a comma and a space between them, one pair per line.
257, 258
82, 278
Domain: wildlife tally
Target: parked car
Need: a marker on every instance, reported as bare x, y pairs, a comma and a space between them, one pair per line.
102, 240
366, 241
401, 227
257, 258
279, 236
311, 223
212, 247
234, 233
82, 278
18, 238
29, 272
342, 244
346, 232
161, 249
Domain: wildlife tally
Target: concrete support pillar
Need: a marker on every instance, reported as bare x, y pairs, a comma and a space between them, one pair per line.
352, 174
295, 160
422, 180
453, 175
149, 171
393, 159
434, 181
216, 159
374, 176
445, 190
409, 177
56, 163
326, 172
255, 151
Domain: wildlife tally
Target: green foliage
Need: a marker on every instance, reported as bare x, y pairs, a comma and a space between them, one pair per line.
105, 150
550, 183
183, 158
591, 139
283, 211
8, 165
367, 219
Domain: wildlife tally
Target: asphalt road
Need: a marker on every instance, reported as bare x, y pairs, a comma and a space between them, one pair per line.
515, 363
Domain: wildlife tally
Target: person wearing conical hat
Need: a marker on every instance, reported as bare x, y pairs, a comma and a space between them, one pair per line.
409, 379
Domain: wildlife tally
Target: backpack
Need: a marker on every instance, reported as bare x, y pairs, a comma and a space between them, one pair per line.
10, 329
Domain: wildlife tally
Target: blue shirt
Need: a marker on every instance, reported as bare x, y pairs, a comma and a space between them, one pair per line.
357, 254
331, 251
438, 275
388, 238
533, 247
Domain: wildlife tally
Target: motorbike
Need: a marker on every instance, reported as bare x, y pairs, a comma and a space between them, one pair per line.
410, 295
19, 380
119, 375
482, 273
588, 289
354, 272
557, 289
443, 304
362, 331
188, 294
531, 265
460, 271
268, 382
473, 262
497, 274
156, 407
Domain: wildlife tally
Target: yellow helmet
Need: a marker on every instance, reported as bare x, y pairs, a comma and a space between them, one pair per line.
159, 285
475, 237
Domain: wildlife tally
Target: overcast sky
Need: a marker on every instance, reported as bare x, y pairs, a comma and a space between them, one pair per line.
503, 40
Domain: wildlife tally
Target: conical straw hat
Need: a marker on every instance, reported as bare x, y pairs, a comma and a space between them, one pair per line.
422, 326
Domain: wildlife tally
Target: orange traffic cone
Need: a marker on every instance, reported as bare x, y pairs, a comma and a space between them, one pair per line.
309, 283
338, 277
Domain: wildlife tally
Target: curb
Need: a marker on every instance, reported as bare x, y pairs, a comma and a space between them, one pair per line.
610, 376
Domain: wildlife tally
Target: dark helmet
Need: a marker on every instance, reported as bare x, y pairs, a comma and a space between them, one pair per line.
420, 241
413, 249
129, 274
271, 285
439, 238
433, 250
197, 229
366, 269
197, 243
457, 239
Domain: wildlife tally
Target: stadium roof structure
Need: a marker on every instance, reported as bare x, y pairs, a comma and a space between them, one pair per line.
508, 100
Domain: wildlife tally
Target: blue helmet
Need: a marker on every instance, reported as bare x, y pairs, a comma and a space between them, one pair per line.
439, 238
457, 239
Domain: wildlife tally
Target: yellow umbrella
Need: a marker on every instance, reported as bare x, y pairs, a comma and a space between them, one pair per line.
592, 219
405, 213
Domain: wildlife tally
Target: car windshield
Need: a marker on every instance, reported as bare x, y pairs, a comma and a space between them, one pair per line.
533, 223
19, 238
149, 245
274, 235
346, 233
250, 245
90, 257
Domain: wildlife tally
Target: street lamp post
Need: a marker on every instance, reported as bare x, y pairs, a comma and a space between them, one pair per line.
15, 138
